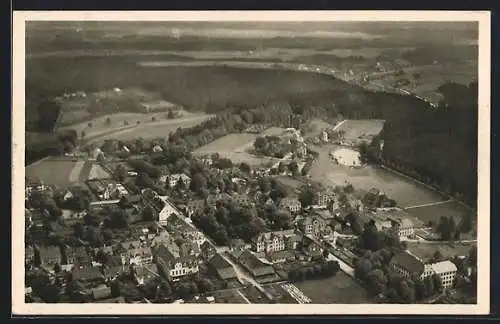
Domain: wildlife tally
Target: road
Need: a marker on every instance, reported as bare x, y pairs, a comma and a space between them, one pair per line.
431, 204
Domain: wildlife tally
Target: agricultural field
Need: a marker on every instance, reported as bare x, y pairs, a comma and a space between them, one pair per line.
149, 129
339, 289
425, 251
363, 129
405, 191
63, 172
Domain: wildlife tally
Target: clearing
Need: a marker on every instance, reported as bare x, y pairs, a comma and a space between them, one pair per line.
363, 129
161, 128
339, 289
234, 147
426, 251
53, 171
65, 171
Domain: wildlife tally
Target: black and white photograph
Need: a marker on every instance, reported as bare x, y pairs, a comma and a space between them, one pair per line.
251, 162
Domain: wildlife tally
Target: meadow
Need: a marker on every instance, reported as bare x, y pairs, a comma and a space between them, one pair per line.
435, 212
63, 172
361, 129
339, 289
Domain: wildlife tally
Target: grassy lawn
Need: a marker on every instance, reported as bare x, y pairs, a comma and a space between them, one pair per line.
340, 289
54, 171
361, 129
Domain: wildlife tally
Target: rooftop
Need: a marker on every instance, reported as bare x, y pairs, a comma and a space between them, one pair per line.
444, 266
408, 262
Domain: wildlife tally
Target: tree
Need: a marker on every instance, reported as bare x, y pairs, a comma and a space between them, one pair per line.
148, 214
278, 191
170, 114
407, 292
118, 219
125, 122
281, 167
293, 167
283, 219
466, 223
446, 228
108, 121
120, 173
260, 143
437, 256
78, 230
89, 125
362, 269
93, 236
306, 196
245, 168
153, 119
91, 219
199, 182
392, 296
82, 134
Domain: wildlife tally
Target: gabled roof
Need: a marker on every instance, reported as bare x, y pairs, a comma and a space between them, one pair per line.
218, 262
444, 266
86, 273
408, 262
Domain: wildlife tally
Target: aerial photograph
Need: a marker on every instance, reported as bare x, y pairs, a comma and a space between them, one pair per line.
217, 162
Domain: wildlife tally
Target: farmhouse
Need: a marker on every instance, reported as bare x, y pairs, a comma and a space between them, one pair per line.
161, 206
398, 219
314, 225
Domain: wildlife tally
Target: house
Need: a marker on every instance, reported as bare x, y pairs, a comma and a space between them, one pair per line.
222, 267
322, 199
314, 225
113, 268
49, 256
172, 264
237, 244
207, 250
195, 205
447, 272
139, 255
173, 179
272, 241
157, 149
100, 292
292, 204
311, 249
144, 274
162, 208
254, 265
87, 274
29, 255
394, 219
76, 256
280, 256
242, 200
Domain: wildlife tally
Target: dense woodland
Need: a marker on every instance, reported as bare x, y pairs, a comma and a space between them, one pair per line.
438, 145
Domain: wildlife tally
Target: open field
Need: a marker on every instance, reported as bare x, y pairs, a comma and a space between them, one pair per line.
289, 182
435, 212
161, 128
234, 147
425, 251
361, 129
339, 289
65, 171
405, 191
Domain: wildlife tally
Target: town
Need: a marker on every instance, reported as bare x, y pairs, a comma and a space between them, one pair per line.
154, 223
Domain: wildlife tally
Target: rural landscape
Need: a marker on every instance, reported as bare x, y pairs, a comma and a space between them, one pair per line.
251, 163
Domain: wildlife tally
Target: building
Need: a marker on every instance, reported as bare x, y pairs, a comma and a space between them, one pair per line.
29, 255
254, 265
139, 256
172, 264
275, 241
447, 272
49, 256
194, 206
291, 204
322, 199
311, 249
33, 185
87, 275
314, 225
76, 256
237, 244
113, 267
162, 208
173, 179
145, 274
280, 256
410, 267
207, 250
100, 292
394, 219
222, 267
